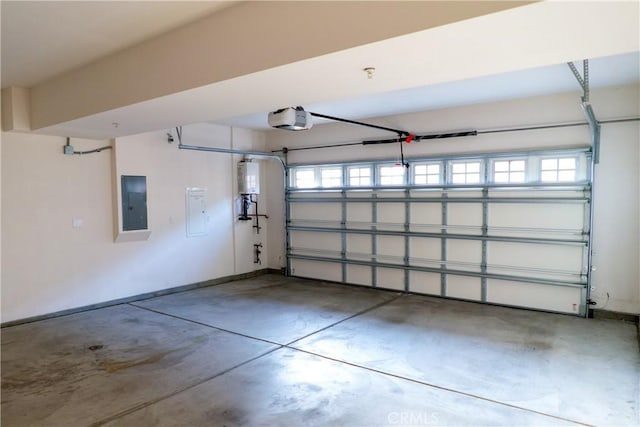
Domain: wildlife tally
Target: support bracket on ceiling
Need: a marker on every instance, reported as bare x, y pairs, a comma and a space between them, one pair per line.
594, 125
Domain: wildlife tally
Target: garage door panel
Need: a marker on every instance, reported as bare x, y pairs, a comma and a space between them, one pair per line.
425, 213
316, 270
464, 218
531, 295
390, 213
359, 275
424, 283
311, 211
315, 194
547, 257
463, 287
317, 241
541, 216
425, 248
359, 215
464, 254
359, 244
390, 278
459, 194
391, 247
557, 193
390, 194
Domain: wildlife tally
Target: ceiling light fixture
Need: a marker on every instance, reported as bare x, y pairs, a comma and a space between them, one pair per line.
369, 71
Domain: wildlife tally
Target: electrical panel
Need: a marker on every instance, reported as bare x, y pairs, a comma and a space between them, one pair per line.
134, 202
248, 177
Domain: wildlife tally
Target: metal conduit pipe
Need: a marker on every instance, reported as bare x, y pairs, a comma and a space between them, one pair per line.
182, 146
233, 151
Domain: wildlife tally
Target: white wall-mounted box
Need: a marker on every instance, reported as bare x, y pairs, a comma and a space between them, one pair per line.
248, 177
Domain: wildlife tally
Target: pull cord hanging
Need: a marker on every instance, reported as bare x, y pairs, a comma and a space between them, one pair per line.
406, 140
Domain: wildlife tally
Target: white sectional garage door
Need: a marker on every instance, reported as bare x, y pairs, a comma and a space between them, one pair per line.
509, 229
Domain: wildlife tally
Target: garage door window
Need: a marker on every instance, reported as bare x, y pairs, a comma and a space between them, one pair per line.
509, 171
465, 172
359, 176
558, 169
391, 174
494, 169
426, 174
331, 177
304, 177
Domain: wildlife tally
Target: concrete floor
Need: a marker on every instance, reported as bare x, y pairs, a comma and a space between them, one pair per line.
277, 351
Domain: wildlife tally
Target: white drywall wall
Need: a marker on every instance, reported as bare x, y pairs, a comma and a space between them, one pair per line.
616, 193
50, 266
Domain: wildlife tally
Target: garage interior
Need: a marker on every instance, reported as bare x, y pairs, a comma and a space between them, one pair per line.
451, 238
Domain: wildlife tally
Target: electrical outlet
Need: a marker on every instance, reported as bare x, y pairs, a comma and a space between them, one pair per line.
68, 150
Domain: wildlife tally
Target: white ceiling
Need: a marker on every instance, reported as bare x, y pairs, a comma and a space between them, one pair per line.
519, 84
41, 39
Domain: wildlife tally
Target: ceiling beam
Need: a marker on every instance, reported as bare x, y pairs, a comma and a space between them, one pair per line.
16, 111
243, 39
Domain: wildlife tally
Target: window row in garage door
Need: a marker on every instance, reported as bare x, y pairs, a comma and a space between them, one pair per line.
543, 168
511, 243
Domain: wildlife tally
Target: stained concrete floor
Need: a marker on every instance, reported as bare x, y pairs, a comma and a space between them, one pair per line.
277, 351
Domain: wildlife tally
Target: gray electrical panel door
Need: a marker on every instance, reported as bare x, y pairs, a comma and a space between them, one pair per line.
134, 202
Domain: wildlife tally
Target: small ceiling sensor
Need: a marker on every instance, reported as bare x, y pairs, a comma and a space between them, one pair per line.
369, 71
115, 124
